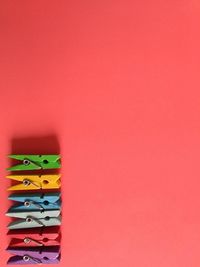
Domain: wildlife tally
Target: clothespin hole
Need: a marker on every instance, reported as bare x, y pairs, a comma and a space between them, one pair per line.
46, 202
45, 258
45, 182
45, 161
45, 239
47, 218
26, 162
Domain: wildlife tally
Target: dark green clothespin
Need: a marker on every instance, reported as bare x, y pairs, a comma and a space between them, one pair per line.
35, 162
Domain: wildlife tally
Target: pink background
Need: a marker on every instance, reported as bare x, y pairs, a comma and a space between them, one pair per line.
116, 84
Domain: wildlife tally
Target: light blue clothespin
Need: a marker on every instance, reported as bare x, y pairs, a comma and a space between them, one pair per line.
31, 222
38, 214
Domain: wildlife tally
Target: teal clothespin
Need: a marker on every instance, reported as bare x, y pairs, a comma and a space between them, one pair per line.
35, 162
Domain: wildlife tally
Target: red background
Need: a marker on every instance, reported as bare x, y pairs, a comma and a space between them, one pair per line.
116, 84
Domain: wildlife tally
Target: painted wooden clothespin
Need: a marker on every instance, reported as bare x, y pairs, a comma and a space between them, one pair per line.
45, 236
35, 182
34, 255
35, 201
32, 222
36, 214
35, 162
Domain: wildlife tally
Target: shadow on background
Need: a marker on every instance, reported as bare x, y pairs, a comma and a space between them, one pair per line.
38, 145
35, 145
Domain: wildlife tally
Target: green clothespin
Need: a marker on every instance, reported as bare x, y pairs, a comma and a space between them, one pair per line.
35, 162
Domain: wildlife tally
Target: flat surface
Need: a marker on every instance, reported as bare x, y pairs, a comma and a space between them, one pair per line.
114, 86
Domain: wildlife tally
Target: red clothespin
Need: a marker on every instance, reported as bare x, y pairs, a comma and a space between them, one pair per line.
44, 236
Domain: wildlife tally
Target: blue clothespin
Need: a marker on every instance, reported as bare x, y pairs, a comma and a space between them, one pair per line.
35, 201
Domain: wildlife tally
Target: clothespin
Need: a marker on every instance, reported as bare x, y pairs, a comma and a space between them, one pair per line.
32, 222
35, 201
34, 255
45, 236
35, 162
37, 214
35, 182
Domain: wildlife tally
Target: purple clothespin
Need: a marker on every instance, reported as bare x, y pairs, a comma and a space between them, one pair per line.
34, 255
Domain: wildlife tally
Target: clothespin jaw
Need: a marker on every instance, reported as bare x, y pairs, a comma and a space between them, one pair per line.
35, 162
35, 182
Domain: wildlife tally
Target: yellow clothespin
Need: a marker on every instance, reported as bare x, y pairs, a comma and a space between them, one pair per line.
35, 182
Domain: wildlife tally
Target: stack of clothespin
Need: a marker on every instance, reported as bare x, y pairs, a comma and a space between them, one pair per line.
35, 229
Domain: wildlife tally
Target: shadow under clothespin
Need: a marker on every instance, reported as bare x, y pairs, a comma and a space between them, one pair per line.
35, 145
